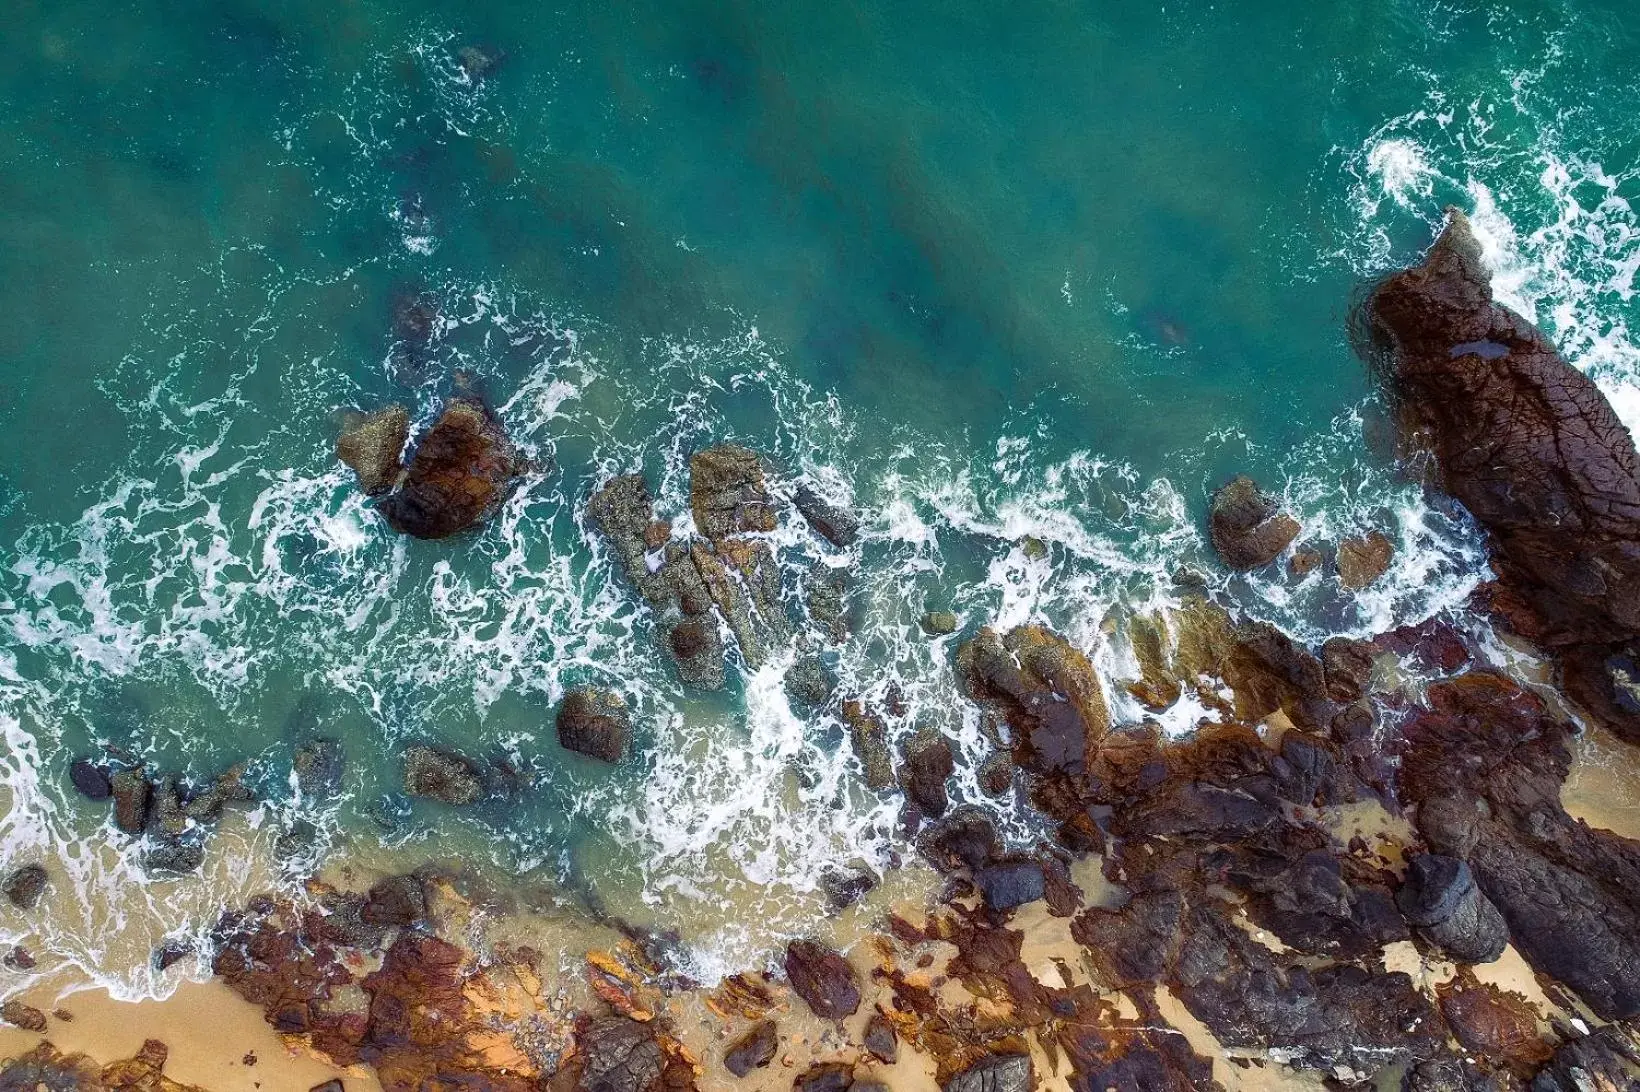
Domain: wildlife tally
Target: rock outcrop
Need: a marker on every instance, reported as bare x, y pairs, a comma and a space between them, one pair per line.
823, 979
441, 775
1533, 450
1248, 528
460, 472
596, 723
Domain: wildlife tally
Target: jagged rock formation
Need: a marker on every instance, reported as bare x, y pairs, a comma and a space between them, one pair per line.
1248, 528
461, 470
1533, 450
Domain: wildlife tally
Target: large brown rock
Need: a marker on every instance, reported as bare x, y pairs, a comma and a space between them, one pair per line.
1044, 687
727, 492
596, 723
460, 472
1248, 528
823, 979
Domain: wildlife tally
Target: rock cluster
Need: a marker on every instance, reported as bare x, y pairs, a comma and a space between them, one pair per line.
726, 577
170, 814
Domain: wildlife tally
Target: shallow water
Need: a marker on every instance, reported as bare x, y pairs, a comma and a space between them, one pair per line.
1051, 271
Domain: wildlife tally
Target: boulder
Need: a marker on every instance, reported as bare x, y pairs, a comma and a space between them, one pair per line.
1363, 560
825, 1077
1044, 688
596, 723
318, 766
994, 1073
1347, 668
1011, 884
619, 1055
1441, 901
371, 444
1605, 1060
808, 681
727, 492
928, 764
1248, 528
823, 979
753, 1050
131, 791
461, 470
90, 780
24, 886
442, 776
870, 738
834, 523
879, 1039
19, 1015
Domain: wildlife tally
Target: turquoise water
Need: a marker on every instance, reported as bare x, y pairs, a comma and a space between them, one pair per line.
1051, 270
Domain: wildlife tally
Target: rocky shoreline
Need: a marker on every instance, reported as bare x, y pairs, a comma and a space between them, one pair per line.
1324, 888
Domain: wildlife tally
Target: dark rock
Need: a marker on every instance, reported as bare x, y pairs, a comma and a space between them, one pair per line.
442, 776
845, 888
825, 1077
809, 682
25, 885
596, 723
20, 958
619, 1055
1484, 765
90, 779
371, 444
131, 791
835, 524
967, 838
996, 774
1441, 901
171, 953
994, 1073
1605, 1060
19, 1015
870, 737
318, 765
395, 901
1136, 943
823, 979
928, 763
478, 63
460, 471
727, 492
880, 1040
1347, 668
1248, 528
939, 623
165, 856
827, 600
329, 1086
1449, 1074
1011, 884
206, 806
754, 1050
1044, 688
1305, 560
166, 815
295, 844
47, 1069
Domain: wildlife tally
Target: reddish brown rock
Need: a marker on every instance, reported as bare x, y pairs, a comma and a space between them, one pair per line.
1363, 560
460, 472
823, 979
1248, 528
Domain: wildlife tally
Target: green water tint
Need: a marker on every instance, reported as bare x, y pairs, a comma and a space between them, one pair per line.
1054, 270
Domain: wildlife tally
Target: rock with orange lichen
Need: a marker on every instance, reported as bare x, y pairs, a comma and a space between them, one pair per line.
622, 979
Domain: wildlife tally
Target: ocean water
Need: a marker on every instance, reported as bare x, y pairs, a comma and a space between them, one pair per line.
986, 271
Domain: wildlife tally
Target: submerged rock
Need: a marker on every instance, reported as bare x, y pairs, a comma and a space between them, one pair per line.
395, 901
24, 886
870, 738
823, 979
173, 857
1248, 528
442, 776
939, 623
1363, 560
318, 766
461, 469
371, 444
808, 681
90, 780
835, 524
596, 723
